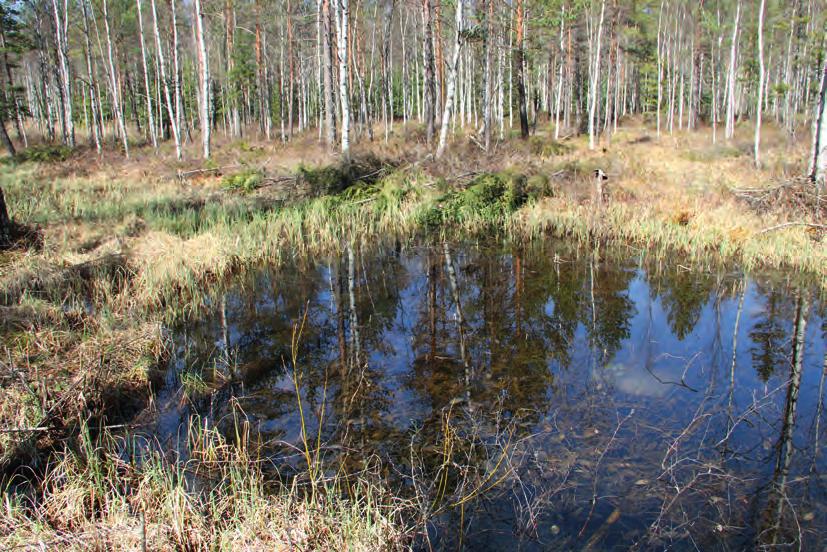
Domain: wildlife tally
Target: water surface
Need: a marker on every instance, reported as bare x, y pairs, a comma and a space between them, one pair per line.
538, 397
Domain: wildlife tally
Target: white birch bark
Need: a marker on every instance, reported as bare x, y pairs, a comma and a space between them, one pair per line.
342, 39
171, 113
113, 81
759, 103
818, 164
593, 92
205, 78
62, 30
452, 83
150, 116
733, 60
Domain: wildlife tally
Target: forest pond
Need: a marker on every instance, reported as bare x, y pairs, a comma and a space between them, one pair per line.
543, 397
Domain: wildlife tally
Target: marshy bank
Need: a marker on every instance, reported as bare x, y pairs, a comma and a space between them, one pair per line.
191, 293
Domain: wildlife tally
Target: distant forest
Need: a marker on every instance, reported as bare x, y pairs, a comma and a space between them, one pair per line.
157, 70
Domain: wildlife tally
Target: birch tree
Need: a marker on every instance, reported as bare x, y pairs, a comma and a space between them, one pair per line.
452, 82
204, 64
171, 113
733, 62
488, 85
595, 76
760, 101
327, 76
818, 159
150, 117
344, 101
62, 39
113, 83
429, 91
519, 65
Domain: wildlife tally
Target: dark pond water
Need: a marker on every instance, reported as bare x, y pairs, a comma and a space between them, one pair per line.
540, 397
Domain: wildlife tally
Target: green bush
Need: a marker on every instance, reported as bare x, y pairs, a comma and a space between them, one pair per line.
43, 154
325, 180
245, 181
488, 200
537, 186
547, 147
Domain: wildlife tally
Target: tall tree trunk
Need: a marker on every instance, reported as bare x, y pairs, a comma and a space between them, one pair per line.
176, 75
150, 116
342, 16
327, 75
11, 99
733, 61
291, 86
452, 83
818, 163
171, 114
593, 91
429, 92
61, 38
4, 136
261, 72
519, 67
559, 98
116, 104
488, 87
387, 69
759, 105
660, 68
97, 117
204, 62
695, 87
232, 87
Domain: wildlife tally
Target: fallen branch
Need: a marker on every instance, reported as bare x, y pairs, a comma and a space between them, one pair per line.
270, 181
183, 175
790, 224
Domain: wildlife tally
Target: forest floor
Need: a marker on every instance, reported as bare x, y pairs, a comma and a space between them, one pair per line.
116, 249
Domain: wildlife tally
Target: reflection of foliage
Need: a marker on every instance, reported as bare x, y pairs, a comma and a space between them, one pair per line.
770, 336
613, 307
683, 295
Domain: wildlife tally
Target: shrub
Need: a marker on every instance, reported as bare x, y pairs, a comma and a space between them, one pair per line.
245, 181
43, 154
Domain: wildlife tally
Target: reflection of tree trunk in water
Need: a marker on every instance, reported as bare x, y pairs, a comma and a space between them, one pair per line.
452, 277
819, 410
734, 355
785, 443
336, 296
432, 305
354, 320
488, 294
593, 339
518, 293
225, 337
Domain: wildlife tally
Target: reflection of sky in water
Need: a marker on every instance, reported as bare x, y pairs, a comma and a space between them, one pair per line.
659, 341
